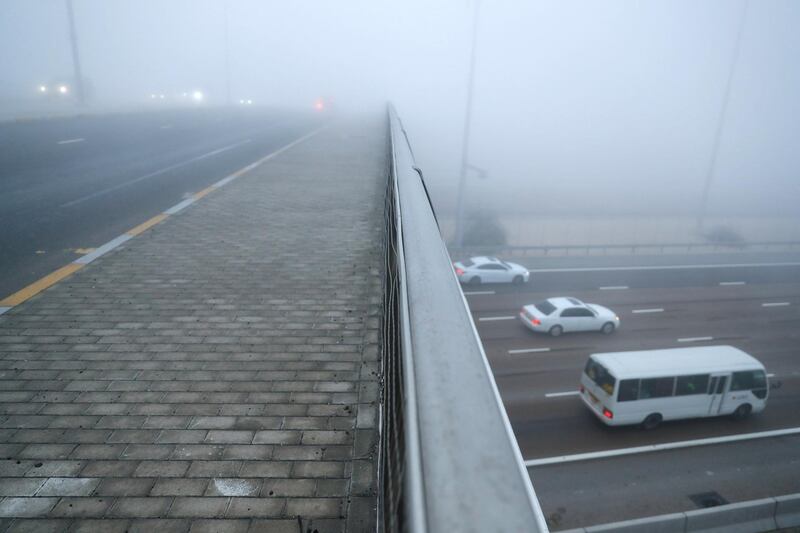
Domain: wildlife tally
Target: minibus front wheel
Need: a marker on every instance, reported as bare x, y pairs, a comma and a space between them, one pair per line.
743, 411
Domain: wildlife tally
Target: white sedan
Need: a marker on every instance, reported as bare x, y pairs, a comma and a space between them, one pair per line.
481, 269
558, 315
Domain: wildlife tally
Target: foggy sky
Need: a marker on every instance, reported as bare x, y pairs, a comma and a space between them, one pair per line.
578, 104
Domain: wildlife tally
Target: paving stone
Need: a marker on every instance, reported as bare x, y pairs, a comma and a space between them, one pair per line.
161, 469
68, 486
179, 487
256, 507
202, 507
140, 507
100, 525
38, 526
233, 487
81, 507
20, 486
173, 525
124, 487
219, 526
26, 507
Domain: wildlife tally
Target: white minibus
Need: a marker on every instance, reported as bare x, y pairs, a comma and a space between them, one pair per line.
646, 387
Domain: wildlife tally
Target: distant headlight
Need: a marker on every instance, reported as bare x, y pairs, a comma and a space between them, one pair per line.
42, 88
63, 89
197, 96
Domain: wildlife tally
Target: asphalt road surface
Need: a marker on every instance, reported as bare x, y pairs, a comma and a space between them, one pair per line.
70, 184
755, 308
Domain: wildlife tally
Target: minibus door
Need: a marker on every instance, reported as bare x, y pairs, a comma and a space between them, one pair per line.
716, 392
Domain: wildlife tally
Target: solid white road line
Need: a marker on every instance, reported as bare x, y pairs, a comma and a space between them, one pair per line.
4, 309
155, 173
660, 447
728, 283
102, 250
655, 310
475, 293
180, 206
770, 375
560, 394
70, 141
493, 318
529, 350
695, 339
775, 304
663, 267
613, 288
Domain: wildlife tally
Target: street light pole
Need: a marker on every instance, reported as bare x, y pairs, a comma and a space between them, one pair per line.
227, 59
76, 62
460, 208
721, 122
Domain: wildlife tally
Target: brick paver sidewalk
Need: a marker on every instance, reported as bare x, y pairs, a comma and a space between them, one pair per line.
219, 372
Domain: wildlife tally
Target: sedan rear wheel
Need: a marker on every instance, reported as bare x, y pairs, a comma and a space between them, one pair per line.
607, 328
555, 331
475, 281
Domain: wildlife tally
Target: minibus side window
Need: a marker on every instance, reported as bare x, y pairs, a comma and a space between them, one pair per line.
656, 388
628, 390
688, 385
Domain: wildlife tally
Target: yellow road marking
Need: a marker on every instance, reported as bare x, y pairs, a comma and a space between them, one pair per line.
38, 286
202, 193
144, 226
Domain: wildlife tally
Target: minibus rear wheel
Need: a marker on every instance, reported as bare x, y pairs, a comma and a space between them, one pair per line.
652, 421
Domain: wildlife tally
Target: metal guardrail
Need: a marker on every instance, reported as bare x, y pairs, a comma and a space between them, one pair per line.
633, 248
451, 463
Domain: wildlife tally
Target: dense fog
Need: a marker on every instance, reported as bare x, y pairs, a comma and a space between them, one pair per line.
580, 108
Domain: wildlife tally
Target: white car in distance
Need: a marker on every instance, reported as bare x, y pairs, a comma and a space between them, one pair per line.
565, 314
482, 269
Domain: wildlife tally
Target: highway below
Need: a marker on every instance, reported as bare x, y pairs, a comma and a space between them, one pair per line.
68, 185
750, 303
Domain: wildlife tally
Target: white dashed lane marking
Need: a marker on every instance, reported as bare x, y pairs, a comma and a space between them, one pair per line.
655, 310
775, 304
729, 283
529, 350
71, 141
696, 339
560, 394
493, 318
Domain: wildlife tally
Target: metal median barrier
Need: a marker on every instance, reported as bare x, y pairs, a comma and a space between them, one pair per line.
449, 460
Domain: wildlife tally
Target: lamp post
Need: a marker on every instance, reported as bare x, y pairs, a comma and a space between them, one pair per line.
460, 208
721, 122
76, 62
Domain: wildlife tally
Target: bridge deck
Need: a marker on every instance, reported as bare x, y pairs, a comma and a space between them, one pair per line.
217, 372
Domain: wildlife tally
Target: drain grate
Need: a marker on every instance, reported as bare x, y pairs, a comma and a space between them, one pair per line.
708, 499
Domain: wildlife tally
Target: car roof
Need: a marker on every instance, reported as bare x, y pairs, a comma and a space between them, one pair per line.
565, 301
483, 259
676, 361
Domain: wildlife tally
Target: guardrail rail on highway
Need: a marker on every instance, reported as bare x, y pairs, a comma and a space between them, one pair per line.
449, 459
631, 248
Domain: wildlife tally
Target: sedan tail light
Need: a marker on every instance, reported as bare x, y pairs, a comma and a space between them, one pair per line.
608, 414
459, 271
535, 321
